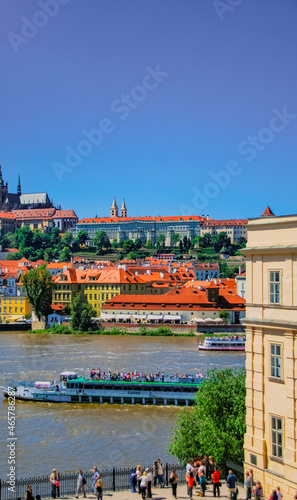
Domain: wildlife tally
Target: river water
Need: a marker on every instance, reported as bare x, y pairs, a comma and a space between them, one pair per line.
74, 436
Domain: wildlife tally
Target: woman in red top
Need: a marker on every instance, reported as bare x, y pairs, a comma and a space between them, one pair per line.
190, 482
216, 482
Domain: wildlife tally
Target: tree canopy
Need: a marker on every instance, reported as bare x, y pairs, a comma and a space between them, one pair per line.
81, 313
216, 424
39, 287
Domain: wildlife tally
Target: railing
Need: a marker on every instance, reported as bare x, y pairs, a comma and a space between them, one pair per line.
113, 480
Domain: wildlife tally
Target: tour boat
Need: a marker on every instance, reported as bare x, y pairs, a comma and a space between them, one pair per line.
165, 390
222, 344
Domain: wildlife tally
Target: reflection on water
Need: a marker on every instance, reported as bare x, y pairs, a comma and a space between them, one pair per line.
68, 436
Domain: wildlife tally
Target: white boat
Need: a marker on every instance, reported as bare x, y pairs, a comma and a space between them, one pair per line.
222, 344
174, 390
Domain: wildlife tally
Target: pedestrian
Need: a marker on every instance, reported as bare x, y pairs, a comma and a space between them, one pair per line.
190, 484
143, 484
216, 482
133, 480
155, 474
273, 495
37, 497
95, 477
231, 485
248, 483
28, 494
279, 493
173, 481
149, 482
81, 482
99, 488
211, 468
202, 481
138, 474
53, 479
161, 480
258, 491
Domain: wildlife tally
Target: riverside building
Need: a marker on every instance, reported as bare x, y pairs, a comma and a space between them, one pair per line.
271, 352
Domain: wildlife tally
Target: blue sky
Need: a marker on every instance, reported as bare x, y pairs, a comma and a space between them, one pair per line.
193, 102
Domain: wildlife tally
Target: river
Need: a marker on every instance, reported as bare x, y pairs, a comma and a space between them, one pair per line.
74, 436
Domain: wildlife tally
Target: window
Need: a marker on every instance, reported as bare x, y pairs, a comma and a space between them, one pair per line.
277, 437
274, 285
276, 361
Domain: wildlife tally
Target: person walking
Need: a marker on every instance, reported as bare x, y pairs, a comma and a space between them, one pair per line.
190, 484
99, 488
273, 495
28, 494
248, 483
279, 493
161, 480
53, 480
231, 484
133, 480
81, 482
143, 484
149, 482
258, 491
211, 467
155, 474
202, 481
138, 475
95, 477
216, 482
173, 481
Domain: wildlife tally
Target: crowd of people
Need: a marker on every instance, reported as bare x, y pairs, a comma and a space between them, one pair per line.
136, 376
200, 474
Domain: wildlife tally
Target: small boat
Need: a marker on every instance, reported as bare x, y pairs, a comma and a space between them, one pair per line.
222, 344
165, 390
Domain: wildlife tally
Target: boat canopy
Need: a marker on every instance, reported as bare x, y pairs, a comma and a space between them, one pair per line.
68, 375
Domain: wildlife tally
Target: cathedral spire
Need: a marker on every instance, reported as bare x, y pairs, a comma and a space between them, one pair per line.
114, 211
124, 209
1, 179
19, 186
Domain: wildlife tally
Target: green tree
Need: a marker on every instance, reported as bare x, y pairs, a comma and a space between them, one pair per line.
39, 286
160, 241
148, 244
23, 237
13, 256
114, 244
66, 239
99, 241
242, 242
128, 246
65, 255
205, 241
175, 238
81, 237
81, 313
137, 244
55, 237
224, 315
181, 247
216, 424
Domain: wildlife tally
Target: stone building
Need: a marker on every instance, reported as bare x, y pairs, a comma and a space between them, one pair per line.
271, 352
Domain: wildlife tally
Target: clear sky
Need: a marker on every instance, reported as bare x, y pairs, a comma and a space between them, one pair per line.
180, 106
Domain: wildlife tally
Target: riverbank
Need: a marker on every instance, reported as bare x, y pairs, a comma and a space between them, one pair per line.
160, 331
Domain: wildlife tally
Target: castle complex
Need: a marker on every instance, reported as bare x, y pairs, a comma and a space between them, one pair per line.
17, 201
149, 228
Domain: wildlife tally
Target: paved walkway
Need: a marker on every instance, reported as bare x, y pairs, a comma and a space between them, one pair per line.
160, 494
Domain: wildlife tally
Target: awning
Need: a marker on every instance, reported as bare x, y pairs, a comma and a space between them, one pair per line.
107, 316
155, 316
198, 320
139, 316
209, 320
123, 316
218, 320
172, 317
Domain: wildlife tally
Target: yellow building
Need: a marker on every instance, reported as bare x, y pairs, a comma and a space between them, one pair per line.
97, 285
14, 308
271, 352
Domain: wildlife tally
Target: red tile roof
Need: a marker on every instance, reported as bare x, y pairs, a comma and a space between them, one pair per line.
267, 212
7, 215
60, 214
228, 222
36, 213
179, 218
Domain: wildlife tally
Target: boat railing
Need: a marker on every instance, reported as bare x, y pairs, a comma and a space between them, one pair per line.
186, 379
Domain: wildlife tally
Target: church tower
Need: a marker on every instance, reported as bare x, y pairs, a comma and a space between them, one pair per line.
19, 191
114, 211
124, 209
3, 190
